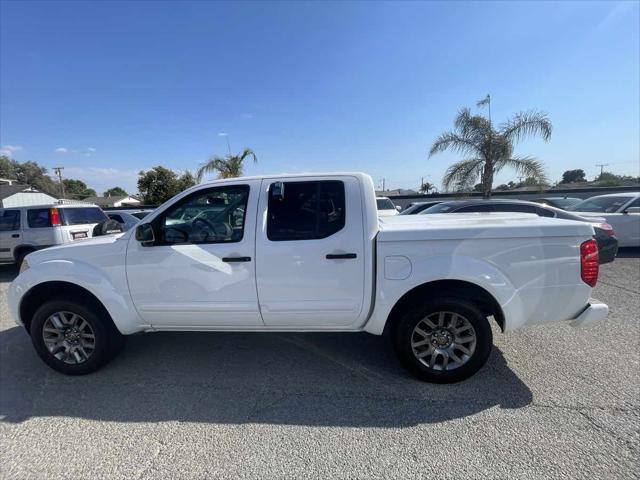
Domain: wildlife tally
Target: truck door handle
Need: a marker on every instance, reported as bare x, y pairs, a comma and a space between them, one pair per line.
236, 259
340, 256
15, 235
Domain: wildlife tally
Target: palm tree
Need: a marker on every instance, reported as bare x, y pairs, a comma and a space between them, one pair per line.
426, 187
488, 149
228, 167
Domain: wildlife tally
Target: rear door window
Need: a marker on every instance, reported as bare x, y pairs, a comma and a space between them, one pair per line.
308, 210
82, 215
9, 220
39, 218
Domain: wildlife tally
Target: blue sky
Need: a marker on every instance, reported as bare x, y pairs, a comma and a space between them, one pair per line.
108, 88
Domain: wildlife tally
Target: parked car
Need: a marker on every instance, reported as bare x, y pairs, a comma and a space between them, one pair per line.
309, 254
604, 233
558, 202
386, 208
26, 229
127, 218
417, 207
621, 210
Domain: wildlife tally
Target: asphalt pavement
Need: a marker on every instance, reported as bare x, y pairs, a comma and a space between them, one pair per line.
552, 402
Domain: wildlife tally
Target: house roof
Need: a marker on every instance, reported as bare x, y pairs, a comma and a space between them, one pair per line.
7, 190
107, 200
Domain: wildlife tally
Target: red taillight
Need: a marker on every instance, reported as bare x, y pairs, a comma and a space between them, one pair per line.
55, 217
607, 228
589, 262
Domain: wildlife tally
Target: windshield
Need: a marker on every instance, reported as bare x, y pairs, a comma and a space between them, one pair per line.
564, 202
385, 204
82, 216
140, 214
600, 204
439, 208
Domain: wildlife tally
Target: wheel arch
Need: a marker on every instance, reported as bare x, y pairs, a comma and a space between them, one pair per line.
45, 291
17, 251
451, 288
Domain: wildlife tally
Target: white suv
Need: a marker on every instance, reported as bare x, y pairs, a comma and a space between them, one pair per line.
26, 229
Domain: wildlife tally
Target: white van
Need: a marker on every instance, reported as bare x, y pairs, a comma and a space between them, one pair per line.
26, 229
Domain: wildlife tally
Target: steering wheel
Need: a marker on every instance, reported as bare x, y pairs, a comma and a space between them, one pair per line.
216, 230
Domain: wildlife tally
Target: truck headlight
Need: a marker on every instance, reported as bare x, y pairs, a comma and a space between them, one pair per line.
24, 265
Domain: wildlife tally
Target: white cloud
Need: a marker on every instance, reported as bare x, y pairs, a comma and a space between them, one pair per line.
61, 150
91, 149
248, 116
223, 134
9, 149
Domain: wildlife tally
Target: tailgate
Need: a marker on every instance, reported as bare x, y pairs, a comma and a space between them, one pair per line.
77, 232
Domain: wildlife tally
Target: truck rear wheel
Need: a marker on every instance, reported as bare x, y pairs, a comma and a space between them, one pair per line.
74, 338
443, 340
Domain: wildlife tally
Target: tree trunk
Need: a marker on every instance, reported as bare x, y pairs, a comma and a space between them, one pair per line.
487, 181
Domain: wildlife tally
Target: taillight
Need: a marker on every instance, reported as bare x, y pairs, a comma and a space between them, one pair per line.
589, 262
607, 228
54, 214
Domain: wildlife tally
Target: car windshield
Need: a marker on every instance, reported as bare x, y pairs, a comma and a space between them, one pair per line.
82, 216
140, 215
439, 208
600, 204
564, 202
384, 204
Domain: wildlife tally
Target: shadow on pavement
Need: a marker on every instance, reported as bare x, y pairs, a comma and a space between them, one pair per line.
8, 273
350, 380
628, 252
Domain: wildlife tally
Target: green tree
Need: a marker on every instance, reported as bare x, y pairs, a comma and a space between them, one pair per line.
229, 166
186, 180
30, 173
488, 149
160, 184
115, 192
77, 189
7, 167
573, 176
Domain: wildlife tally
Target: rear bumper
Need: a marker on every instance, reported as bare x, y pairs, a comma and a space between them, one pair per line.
607, 249
594, 312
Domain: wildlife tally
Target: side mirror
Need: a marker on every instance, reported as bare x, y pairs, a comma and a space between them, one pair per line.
398, 208
635, 210
145, 235
277, 191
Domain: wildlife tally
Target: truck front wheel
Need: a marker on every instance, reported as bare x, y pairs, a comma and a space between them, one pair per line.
74, 338
443, 340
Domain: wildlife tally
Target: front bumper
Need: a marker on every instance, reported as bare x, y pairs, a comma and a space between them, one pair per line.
595, 312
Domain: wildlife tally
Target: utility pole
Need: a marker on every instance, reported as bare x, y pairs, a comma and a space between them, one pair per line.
58, 171
383, 187
602, 165
226, 135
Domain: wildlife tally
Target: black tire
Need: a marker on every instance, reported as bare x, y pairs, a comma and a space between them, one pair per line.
404, 333
108, 340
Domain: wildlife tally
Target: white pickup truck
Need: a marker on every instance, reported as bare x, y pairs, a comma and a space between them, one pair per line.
307, 253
